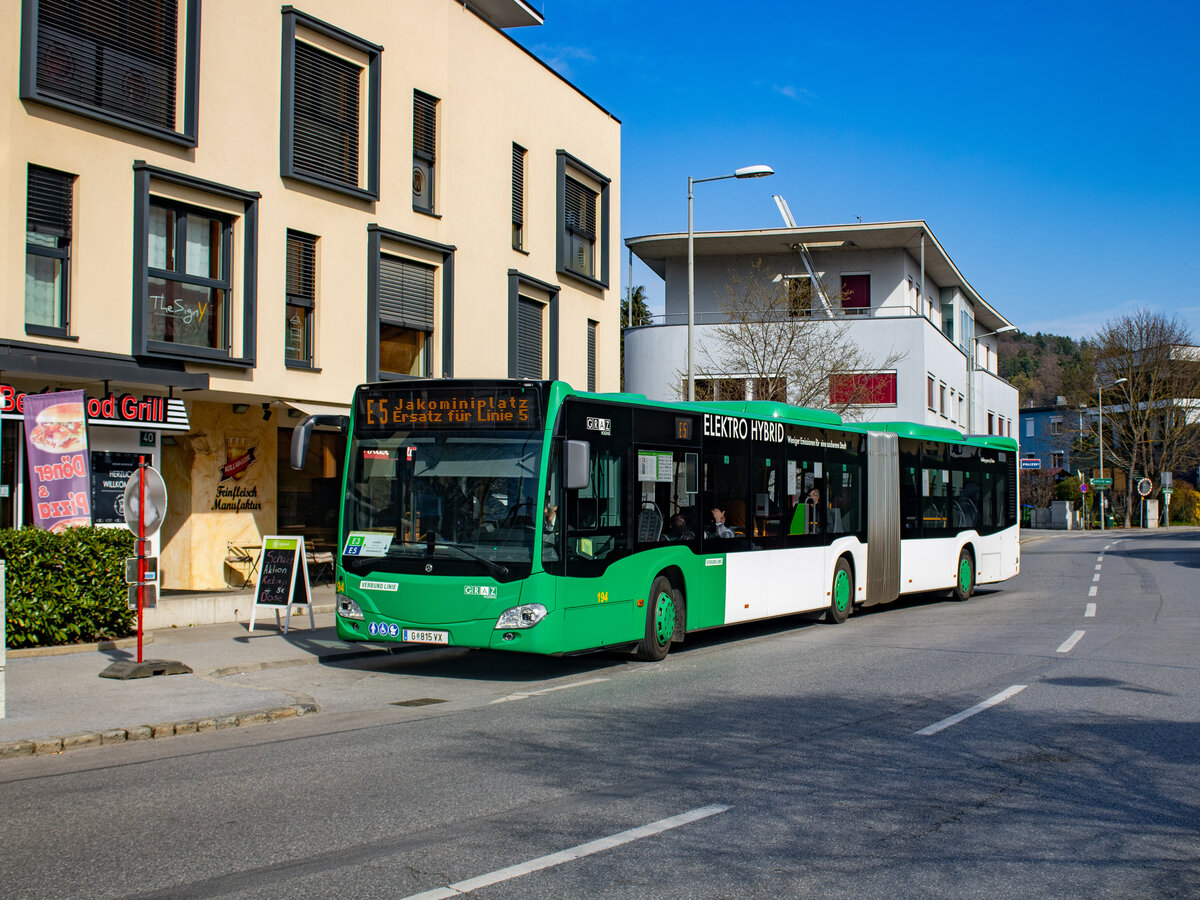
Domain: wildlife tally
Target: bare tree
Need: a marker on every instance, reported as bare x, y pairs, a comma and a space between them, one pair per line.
792, 345
1152, 418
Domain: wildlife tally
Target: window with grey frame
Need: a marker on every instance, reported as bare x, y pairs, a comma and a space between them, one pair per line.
325, 118
424, 150
187, 254
48, 220
405, 315
580, 226
592, 327
518, 196
529, 338
117, 62
301, 288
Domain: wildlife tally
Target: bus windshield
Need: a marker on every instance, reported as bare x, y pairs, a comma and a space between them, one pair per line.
460, 498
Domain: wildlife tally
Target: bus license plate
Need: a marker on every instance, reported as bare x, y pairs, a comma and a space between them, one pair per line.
413, 636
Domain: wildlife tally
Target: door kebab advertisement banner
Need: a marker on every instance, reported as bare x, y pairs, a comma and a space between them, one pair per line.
59, 473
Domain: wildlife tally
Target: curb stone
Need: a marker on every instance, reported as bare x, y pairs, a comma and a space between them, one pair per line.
50, 746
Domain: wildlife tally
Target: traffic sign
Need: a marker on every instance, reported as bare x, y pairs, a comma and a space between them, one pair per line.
1168, 491
156, 500
1101, 482
1083, 488
1145, 486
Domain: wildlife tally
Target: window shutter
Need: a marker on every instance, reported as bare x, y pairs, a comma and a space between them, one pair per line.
325, 118
301, 269
591, 356
49, 202
529, 338
580, 208
424, 126
406, 293
118, 57
518, 185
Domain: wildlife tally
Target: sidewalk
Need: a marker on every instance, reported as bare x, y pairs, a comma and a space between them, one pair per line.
58, 702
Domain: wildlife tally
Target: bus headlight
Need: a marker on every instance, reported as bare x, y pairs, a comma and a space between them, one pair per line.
521, 616
347, 608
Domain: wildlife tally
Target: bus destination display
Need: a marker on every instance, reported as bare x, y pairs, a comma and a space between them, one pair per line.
435, 409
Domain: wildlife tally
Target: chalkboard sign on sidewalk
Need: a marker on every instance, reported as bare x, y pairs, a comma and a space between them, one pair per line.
282, 579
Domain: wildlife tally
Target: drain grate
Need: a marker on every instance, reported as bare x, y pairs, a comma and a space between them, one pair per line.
423, 701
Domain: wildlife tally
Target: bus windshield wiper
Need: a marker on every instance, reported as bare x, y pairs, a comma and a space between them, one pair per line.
491, 565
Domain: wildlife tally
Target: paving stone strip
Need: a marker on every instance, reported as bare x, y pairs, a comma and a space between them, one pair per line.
13, 749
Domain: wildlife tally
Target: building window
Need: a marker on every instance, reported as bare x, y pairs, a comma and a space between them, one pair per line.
1056, 426
953, 405
592, 328
405, 315
518, 196
799, 296
48, 215
424, 150
991, 422
856, 294
863, 389
942, 400
929, 386
1056, 460
1029, 428
770, 389
948, 318
718, 388
322, 118
529, 338
301, 278
582, 221
184, 254
117, 62
187, 257
962, 415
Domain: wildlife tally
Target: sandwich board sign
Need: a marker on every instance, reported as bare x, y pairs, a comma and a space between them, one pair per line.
282, 580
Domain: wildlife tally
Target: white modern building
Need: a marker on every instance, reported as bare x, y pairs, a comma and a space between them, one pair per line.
903, 295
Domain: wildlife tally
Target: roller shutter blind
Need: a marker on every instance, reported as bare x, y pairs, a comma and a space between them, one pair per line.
580, 208
529, 338
301, 268
518, 185
591, 356
49, 202
117, 57
325, 138
424, 126
406, 293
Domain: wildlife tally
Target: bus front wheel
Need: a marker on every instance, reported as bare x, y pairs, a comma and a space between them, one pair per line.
964, 575
841, 597
660, 621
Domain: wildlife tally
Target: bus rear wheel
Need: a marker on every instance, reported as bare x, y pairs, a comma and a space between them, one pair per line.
964, 576
660, 621
841, 597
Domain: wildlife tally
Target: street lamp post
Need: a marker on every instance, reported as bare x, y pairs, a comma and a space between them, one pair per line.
1100, 412
745, 172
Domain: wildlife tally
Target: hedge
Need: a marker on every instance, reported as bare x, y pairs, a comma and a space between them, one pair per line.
66, 588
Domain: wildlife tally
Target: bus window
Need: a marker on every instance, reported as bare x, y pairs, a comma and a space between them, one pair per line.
910, 489
845, 488
723, 496
667, 495
768, 480
596, 519
965, 494
935, 477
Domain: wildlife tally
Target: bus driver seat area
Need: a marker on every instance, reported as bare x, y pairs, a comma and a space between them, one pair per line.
650, 523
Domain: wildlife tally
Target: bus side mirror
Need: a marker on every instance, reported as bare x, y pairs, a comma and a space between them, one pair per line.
579, 465
303, 434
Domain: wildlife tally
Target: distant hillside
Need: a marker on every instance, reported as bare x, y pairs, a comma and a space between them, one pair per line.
1043, 367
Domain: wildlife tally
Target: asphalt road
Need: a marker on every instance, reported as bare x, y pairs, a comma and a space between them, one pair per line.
788, 759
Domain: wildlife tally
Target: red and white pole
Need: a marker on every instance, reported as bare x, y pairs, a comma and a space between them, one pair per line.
141, 546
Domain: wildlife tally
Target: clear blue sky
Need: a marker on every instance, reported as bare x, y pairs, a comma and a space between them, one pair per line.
1054, 149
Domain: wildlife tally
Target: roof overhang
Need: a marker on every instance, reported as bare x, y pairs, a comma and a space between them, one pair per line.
655, 249
506, 13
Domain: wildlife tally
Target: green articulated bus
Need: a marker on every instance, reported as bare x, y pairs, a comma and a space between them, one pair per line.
527, 516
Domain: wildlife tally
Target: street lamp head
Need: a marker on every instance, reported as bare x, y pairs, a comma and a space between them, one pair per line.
753, 172
1007, 329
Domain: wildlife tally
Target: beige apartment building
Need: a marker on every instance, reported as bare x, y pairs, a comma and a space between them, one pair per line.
242, 214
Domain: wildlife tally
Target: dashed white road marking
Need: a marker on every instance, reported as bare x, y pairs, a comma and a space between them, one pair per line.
1069, 644
974, 710
562, 687
555, 859
1096, 577
1090, 611
1092, 591
1097, 567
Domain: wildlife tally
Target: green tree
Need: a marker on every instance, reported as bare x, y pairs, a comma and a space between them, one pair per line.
634, 311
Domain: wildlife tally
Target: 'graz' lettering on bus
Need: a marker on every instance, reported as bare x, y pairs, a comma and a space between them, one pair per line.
734, 427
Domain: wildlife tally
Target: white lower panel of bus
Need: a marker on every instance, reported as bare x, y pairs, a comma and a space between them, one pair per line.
766, 583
